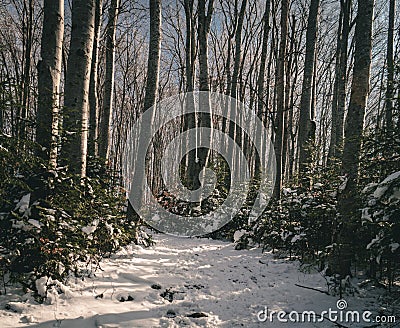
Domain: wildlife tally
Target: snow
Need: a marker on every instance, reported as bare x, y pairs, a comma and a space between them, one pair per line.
384, 185
41, 285
391, 177
204, 283
394, 247
35, 223
23, 204
238, 234
373, 241
92, 228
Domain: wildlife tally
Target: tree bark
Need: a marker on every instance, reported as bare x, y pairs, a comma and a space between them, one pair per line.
104, 132
263, 60
348, 198
280, 94
153, 69
306, 120
261, 77
238, 49
76, 109
190, 120
204, 119
339, 93
153, 63
29, 9
49, 75
93, 86
390, 68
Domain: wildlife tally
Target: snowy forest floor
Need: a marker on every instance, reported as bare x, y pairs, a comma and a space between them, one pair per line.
201, 283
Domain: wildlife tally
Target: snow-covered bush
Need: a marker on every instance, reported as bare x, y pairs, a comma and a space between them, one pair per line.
52, 221
303, 222
381, 215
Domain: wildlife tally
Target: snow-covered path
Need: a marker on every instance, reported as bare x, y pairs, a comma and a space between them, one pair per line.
201, 283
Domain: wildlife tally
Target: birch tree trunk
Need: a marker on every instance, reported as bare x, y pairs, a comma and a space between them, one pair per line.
305, 121
93, 86
76, 107
49, 74
104, 132
348, 198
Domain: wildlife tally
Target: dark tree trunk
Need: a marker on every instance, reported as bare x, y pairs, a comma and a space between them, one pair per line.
305, 123
348, 198
280, 94
339, 93
390, 68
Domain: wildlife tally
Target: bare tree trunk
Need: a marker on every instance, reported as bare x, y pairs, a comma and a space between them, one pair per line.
104, 132
348, 199
49, 75
264, 51
153, 64
153, 69
306, 123
280, 104
190, 120
27, 69
339, 93
235, 133
390, 68
204, 119
238, 49
261, 76
93, 86
291, 57
76, 109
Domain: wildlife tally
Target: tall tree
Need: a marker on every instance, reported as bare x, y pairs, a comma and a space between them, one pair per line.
339, 91
263, 60
390, 68
153, 72
261, 75
190, 53
306, 123
204, 119
234, 132
280, 95
93, 85
347, 203
49, 75
76, 109
238, 48
153, 63
28, 9
104, 132
203, 29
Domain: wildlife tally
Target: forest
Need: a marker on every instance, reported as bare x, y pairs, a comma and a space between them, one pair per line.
271, 126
